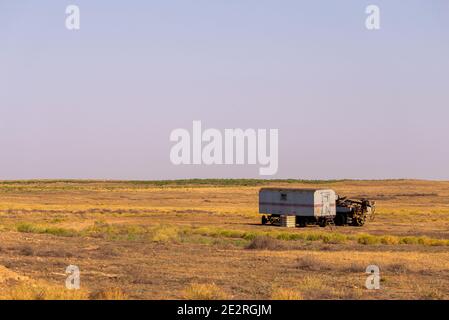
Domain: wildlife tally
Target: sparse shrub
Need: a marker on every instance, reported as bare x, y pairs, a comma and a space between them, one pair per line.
389, 240
429, 293
26, 228
139, 275
313, 236
409, 240
250, 235
115, 231
349, 294
367, 239
32, 228
438, 242
26, 251
355, 267
397, 268
61, 232
233, 234
164, 234
309, 262
286, 294
113, 293
131, 232
159, 233
109, 251
99, 229
196, 291
289, 236
38, 291
54, 253
264, 243
314, 288
335, 238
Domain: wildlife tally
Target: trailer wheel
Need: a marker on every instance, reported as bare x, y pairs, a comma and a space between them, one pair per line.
274, 220
340, 220
322, 223
302, 222
264, 220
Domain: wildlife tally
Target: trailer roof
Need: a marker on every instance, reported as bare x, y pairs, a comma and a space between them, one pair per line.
293, 189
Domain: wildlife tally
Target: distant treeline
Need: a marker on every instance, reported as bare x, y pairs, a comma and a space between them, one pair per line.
231, 182
210, 182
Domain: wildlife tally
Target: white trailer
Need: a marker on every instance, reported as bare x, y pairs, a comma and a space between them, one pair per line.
309, 206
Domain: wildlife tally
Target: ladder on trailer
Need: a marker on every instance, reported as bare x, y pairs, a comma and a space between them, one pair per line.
331, 224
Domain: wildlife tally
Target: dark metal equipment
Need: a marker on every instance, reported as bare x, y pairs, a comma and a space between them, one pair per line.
354, 212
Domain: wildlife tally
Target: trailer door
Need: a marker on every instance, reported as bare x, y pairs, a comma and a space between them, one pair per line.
325, 200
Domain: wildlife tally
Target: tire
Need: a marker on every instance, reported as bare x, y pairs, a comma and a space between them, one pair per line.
300, 221
264, 220
322, 223
340, 220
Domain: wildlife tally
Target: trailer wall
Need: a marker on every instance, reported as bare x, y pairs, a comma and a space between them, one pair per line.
298, 202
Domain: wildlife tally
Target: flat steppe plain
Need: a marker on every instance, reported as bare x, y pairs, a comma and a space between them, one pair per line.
203, 239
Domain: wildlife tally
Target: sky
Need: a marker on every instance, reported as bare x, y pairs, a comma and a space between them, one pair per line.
101, 102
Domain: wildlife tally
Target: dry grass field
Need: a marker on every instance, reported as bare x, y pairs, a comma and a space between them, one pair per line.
202, 239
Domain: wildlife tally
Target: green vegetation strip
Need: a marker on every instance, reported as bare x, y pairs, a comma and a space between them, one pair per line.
163, 233
33, 228
326, 237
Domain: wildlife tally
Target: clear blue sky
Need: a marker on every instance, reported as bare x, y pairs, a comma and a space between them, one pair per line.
101, 102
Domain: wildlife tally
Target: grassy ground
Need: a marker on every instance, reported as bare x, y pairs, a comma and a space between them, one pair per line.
203, 239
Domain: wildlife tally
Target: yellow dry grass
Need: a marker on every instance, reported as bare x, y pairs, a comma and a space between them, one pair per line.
286, 294
179, 240
204, 291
